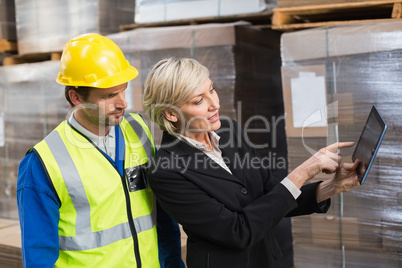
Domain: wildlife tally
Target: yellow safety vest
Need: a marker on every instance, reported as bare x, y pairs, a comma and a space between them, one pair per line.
106, 220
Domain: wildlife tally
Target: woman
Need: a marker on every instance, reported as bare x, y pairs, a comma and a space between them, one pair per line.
209, 179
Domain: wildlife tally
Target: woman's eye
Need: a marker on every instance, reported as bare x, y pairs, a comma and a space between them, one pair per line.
212, 90
199, 101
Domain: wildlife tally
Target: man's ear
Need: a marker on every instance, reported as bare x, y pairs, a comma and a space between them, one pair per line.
75, 98
170, 115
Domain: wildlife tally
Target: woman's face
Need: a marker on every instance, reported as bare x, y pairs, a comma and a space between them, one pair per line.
201, 112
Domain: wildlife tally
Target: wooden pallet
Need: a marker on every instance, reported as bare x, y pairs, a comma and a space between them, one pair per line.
30, 58
8, 46
295, 18
262, 20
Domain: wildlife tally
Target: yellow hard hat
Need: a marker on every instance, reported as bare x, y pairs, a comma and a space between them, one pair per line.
92, 60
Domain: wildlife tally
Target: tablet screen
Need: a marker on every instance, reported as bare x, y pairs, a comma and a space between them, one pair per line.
369, 142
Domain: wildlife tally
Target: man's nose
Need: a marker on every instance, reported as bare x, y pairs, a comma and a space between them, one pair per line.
121, 102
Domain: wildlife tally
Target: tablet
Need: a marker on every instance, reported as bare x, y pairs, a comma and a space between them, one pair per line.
369, 143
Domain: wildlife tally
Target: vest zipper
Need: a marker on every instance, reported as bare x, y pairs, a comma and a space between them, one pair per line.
129, 213
131, 223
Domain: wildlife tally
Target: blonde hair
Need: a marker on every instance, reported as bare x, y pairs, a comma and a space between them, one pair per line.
171, 83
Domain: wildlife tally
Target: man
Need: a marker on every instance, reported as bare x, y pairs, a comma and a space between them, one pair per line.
83, 196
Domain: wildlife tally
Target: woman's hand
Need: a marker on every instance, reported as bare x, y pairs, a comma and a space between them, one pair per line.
343, 180
346, 178
326, 160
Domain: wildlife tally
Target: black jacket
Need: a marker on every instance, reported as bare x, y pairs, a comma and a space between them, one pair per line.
228, 218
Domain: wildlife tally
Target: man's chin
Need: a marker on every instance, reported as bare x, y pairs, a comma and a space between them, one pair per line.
114, 120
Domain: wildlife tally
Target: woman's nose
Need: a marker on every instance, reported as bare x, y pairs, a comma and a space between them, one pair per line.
214, 104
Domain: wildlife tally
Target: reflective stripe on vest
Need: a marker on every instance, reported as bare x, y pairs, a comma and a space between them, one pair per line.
142, 135
85, 238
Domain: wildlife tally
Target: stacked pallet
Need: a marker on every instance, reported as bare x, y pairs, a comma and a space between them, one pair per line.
347, 70
44, 27
295, 15
32, 104
294, 3
331, 76
148, 11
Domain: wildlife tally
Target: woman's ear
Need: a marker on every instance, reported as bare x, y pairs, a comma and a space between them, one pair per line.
170, 115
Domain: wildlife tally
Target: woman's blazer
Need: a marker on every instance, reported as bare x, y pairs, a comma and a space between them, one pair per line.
228, 218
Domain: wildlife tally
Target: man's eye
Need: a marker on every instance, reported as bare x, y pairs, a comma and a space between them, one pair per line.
110, 96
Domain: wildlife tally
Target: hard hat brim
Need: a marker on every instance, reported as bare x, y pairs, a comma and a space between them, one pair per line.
120, 78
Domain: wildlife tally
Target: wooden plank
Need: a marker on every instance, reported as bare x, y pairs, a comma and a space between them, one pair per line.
281, 18
299, 26
314, 9
11, 61
8, 46
397, 11
335, 14
293, 3
30, 58
254, 18
55, 56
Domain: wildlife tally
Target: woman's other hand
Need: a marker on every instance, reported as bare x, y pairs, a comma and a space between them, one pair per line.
326, 160
343, 180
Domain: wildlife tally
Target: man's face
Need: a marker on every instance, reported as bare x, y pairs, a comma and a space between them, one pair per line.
104, 107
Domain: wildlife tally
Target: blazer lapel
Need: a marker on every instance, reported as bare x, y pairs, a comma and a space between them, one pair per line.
228, 146
191, 158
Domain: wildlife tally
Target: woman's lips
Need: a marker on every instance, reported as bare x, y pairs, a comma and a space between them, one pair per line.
214, 118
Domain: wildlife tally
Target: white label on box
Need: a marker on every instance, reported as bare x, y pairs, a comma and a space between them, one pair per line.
308, 100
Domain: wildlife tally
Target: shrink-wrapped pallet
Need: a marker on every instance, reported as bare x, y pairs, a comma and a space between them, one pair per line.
7, 20
32, 104
147, 11
45, 26
331, 78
